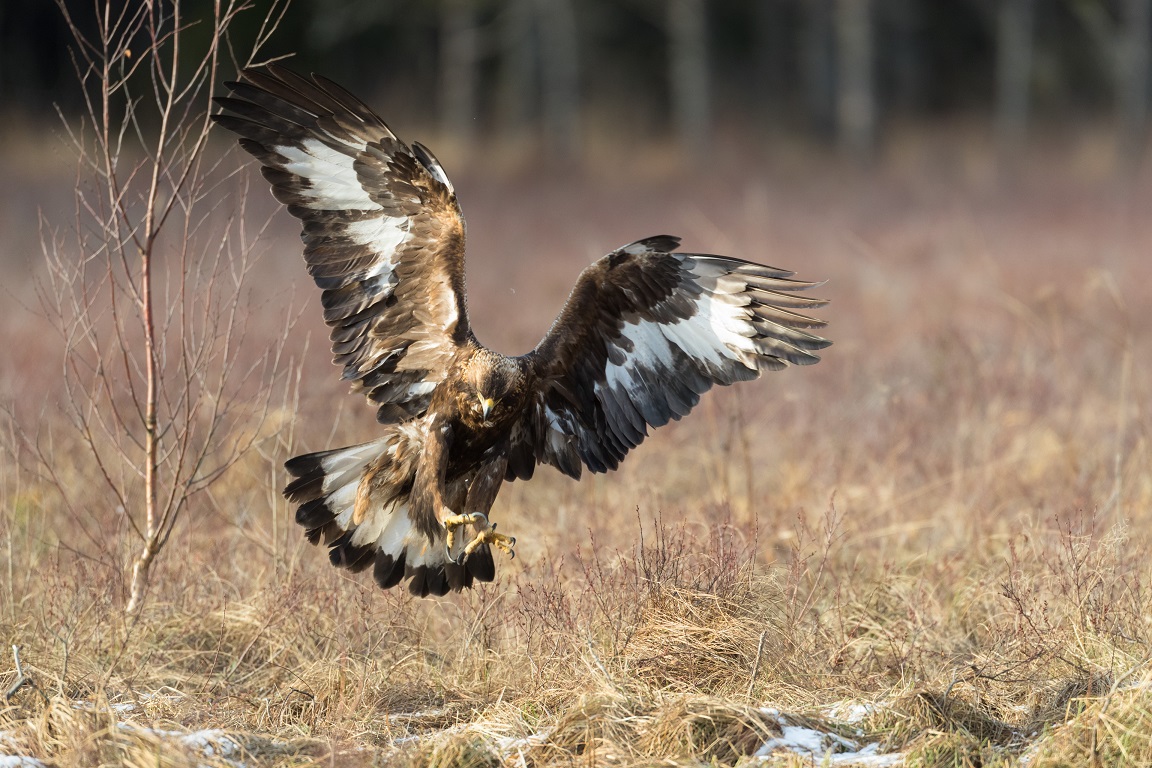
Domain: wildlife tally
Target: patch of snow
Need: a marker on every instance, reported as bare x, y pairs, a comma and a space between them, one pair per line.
795, 739
120, 708
509, 747
507, 743
412, 738
1033, 750
211, 743
20, 761
166, 693
16, 761
868, 756
150, 731
850, 712
829, 748
434, 712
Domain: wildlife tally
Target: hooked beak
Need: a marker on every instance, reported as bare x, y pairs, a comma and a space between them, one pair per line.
486, 404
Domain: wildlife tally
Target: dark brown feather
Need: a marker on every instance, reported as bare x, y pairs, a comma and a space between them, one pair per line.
645, 332
383, 234
632, 350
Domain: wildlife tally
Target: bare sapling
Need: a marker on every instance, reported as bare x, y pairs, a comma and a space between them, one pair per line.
149, 286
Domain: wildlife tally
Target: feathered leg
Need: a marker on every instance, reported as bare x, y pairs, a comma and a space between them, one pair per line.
481, 495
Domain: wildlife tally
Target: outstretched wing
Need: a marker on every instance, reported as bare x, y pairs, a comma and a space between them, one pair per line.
645, 332
383, 235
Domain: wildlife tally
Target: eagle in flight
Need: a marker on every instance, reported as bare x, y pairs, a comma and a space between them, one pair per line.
644, 333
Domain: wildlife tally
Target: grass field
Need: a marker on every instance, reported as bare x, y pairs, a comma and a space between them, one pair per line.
929, 549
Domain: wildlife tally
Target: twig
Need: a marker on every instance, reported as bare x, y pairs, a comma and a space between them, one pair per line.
21, 680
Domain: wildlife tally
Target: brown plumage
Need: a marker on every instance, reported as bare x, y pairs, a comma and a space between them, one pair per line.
645, 332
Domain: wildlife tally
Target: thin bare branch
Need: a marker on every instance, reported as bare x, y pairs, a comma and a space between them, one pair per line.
149, 291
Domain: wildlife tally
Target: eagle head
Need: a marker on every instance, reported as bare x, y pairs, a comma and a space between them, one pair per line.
492, 388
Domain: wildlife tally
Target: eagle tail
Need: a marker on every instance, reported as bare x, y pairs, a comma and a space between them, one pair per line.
330, 485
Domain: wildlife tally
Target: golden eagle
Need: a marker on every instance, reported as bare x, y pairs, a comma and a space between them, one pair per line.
644, 333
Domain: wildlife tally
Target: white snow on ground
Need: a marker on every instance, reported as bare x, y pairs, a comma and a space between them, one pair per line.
824, 748
850, 712
408, 717
120, 708
15, 761
827, 748
513, 749
1030, 754
212, 743
19, 761
150, 731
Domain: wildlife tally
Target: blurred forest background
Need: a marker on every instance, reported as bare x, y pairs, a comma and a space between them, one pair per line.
554, 75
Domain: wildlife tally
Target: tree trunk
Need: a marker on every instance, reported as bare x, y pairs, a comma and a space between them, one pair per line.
141, 576
516, 103
560, 71
1013, 75
688, 74
855, 92
817, 65
1133, 56
459, 58
769, 35
906, 55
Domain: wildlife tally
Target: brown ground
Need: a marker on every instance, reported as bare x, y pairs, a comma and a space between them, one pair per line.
947, 520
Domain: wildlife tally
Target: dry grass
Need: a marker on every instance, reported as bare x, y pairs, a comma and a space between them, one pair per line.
936, 540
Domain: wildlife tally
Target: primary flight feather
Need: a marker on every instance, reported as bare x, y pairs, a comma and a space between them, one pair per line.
644, 333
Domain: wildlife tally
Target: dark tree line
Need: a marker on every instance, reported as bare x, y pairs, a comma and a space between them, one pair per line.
546, 70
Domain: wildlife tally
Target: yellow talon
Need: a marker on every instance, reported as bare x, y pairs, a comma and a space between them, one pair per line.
486, 534
489, 536
452, 522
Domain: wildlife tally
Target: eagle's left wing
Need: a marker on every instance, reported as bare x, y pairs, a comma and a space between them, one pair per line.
644, 333
383, 235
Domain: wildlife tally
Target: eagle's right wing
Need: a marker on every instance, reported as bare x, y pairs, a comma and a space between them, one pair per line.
383, 236
645, 332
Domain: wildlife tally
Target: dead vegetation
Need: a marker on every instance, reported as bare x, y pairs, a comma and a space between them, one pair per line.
934, 542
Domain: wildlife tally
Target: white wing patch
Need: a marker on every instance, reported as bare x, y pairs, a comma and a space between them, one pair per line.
717, 336
675, 335
385, 235
330, 174
333, 185
723, 308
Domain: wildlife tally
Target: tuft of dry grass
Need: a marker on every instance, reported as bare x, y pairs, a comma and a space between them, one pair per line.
932, 544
